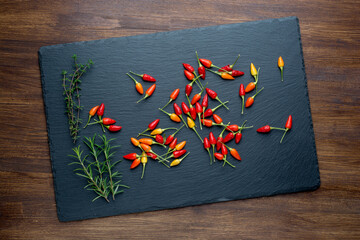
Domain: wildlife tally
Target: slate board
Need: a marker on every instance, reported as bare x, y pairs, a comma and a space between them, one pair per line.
267, 168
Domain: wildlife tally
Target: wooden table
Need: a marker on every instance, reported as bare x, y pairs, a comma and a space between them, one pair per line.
331, 43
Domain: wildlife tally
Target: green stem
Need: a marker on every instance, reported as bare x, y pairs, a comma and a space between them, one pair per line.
146, 96
243, 102
209, 155
257, 92
284, 135
167, 103
197, 134
165, 112
213, 147
143, 132
143, 170
282, 73
276, 128
182, 119
226, 161
219, 106
188, 101
199, 120
102, 125
132, 78
217, 98
197, 57
140, 75
88, 121
214, 72
231, 66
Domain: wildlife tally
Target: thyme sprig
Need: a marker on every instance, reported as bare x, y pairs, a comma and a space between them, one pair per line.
99, 173
71, 84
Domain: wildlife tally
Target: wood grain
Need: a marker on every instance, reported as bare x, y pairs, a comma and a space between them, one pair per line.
331, 43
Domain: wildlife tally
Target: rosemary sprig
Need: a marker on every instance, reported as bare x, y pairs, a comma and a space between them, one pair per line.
101, 178
70, 83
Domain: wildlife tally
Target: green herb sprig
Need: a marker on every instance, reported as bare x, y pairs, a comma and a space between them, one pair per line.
99, 173
70, 83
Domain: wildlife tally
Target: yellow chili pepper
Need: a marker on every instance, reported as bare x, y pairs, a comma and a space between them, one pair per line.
253, 70
160, 130
281, 66
178, 161
143, 160
191, 124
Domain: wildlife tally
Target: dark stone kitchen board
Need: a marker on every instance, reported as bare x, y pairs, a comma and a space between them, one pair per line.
267, 167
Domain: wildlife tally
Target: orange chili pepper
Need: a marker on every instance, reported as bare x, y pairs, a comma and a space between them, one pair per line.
135, 142
281, 66
135, 163
173, 97
149, 141
92, 113
217, 118
172, 116
251, 86
138, 85
148, 92
250, 100
223, 75
180, 145
145, 147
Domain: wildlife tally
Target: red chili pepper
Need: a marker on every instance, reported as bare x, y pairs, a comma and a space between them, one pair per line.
173, 97
250, 100
204, 104
185, 109
209, 112
217, 119
223, 75
138, 86
113, 128
242, 95
188, 89
222, 156
107, 121
178, 112
92, 113
230, 136
233, 127
207, 63
100, 111
148, 92
135, 163
193, 113
201, 69
159, 138
179, 153
198, 109
219, 156
189, 75
238, 137
288, 126
229, 67
152, 155
236, 73
238, 134
145, 77
173, 143
188, 67
131, 156
264, 129
213, 95
224, 150
151, 126
212, 141
220, 140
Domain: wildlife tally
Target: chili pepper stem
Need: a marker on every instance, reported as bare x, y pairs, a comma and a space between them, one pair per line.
282, 73
182, 119
243, 103
167, 104
143, 132
198, 59
232, 66
209, 155
143, 170
198, 79
146, 96
284, 135
226, 161
213, 147
218, 73
257, 93
188, 100
88, 121
223, 104
136, 74
197, 134
102, 125
276, 128
199, 121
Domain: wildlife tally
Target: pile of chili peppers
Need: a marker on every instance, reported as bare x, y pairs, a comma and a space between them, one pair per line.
103, 121
198, 107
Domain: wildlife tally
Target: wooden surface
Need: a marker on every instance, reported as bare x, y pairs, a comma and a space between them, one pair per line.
331, 43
